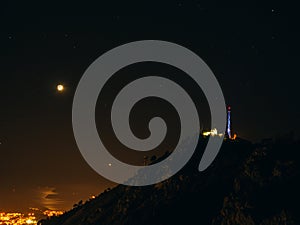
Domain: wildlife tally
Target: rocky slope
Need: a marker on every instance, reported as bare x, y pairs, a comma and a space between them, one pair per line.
246, 184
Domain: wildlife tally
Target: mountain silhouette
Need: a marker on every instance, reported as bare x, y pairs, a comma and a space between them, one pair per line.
246, 184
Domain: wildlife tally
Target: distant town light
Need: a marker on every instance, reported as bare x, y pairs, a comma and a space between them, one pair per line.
29, 221
17, 219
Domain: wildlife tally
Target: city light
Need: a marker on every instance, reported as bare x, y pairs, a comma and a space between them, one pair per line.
17, 219
50, 213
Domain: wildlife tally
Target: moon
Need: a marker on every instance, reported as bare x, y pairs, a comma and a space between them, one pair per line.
60, 88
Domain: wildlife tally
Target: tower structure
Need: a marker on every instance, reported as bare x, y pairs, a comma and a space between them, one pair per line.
228, 128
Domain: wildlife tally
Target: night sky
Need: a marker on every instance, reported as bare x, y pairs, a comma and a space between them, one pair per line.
253, 52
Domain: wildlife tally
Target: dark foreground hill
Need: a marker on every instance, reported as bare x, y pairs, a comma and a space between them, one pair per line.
246, 184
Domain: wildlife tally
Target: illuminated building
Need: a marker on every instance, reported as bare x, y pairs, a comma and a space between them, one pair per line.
228, 133
212, 133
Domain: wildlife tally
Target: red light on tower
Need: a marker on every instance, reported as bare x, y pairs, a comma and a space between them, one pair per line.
228, 108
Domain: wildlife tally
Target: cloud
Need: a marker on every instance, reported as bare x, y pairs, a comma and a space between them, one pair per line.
50, 198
